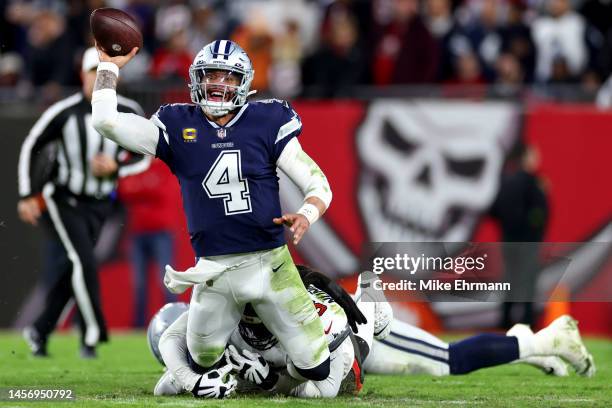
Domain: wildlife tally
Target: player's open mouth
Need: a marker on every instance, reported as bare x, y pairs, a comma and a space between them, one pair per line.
218, 95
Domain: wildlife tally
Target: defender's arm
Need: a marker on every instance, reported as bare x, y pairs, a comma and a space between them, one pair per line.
173, 348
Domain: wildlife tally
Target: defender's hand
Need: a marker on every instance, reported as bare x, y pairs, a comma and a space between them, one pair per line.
251, 367
119, 60
218, 383
297, 223
103, 165
29, 210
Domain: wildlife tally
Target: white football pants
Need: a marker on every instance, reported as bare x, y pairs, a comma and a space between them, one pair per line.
269, 281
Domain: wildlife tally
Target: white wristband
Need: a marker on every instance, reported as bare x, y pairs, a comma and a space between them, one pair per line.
310, 211
109, 66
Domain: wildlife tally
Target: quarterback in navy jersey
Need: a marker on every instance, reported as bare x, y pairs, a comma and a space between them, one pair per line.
225, 153
228, 173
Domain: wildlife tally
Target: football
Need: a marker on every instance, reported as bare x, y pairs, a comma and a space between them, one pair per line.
115, 31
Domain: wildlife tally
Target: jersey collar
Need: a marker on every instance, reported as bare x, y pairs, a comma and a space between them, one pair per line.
231, 122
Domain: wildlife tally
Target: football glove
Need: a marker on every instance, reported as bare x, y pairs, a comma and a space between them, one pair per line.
218, 383
346, 302
251, 367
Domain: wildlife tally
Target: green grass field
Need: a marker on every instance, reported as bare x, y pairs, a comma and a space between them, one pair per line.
125, 374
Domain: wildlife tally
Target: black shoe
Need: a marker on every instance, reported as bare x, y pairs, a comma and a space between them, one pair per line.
37, 344
88, 352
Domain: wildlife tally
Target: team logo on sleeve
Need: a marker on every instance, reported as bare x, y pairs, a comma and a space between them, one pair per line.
190, 135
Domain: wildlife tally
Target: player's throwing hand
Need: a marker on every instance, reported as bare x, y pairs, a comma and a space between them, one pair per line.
119, 60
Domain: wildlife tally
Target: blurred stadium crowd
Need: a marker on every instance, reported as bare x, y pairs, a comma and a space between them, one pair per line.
325, 48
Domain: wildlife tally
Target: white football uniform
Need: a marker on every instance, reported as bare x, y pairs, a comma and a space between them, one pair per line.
271, 283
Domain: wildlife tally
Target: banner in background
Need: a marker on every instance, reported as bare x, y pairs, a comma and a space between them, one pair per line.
426, 171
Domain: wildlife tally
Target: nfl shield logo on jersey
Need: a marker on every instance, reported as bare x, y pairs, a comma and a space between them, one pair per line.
221, 133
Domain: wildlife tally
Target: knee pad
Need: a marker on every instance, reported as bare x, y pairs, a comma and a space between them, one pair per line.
318, 373
200, 369
204, 355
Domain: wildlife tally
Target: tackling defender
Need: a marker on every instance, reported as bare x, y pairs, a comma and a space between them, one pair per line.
403, 349
225, 153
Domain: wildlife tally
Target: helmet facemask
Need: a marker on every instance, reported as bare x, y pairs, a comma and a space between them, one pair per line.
254, 332
219, 90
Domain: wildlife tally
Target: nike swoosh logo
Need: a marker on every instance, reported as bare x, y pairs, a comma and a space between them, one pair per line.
329, 328
278, 267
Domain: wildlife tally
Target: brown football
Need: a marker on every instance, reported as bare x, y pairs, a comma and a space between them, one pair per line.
115, 31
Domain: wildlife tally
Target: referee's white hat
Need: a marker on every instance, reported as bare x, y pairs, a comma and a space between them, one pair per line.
90, 59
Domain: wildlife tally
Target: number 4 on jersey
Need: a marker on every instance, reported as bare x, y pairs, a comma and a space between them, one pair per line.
224, 180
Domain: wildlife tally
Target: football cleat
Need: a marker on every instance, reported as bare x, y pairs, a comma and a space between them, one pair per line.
550, 365
383, 316
37, 344
383, 312
562, 338
167, 385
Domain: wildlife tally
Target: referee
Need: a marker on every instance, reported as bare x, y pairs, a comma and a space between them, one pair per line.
73, 205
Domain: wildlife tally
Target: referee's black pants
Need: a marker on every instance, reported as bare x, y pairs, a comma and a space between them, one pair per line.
74, 221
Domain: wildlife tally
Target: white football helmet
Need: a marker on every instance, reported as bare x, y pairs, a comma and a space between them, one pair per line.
219, 98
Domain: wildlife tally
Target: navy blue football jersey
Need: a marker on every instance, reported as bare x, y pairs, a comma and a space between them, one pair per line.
228, 173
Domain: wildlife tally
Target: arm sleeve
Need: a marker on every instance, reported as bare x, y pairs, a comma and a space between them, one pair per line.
173, 348
132, 132
48, 128
304, 172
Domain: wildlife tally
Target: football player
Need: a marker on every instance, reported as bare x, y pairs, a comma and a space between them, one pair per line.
225, 152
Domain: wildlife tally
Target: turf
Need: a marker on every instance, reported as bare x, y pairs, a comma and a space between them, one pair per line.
125, 373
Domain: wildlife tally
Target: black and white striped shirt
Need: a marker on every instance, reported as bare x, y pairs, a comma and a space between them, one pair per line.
68, 124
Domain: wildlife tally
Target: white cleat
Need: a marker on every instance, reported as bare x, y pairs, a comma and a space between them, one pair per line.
562, 338
550, 365
167, 385
383, 316
383, 312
